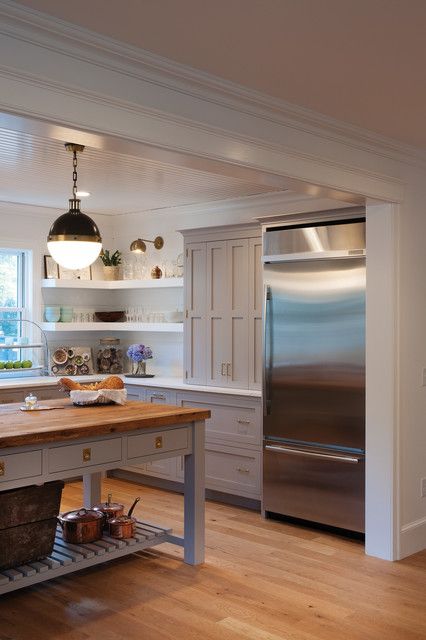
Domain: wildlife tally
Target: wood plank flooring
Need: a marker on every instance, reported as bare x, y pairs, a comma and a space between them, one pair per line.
262, 580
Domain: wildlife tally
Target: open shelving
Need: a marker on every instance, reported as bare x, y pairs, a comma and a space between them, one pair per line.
161, 283
68, 558
157, 327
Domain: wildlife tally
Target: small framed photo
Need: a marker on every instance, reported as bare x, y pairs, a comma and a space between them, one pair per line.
75, 274
51, 268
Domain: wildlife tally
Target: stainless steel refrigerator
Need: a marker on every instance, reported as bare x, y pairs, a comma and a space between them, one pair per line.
314, 373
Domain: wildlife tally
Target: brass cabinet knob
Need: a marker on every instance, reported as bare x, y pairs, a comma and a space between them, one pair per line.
2, 469
159, 442
87, 454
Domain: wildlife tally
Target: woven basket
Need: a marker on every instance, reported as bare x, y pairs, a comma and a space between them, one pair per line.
101, 396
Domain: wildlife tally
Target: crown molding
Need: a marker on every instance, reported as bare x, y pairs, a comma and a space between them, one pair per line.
58, 36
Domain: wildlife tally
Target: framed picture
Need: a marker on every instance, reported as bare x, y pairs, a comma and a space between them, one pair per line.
75, 274
51, 268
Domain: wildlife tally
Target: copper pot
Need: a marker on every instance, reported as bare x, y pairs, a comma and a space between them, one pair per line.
123, 526
109, 509
81, 526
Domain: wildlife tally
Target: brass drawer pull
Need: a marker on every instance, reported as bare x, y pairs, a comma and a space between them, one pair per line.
243, 470
2, 469
158, 396
159, 442
87, 454
243, 421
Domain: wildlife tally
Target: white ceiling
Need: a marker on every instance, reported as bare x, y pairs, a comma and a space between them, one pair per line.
38, 171
360, 61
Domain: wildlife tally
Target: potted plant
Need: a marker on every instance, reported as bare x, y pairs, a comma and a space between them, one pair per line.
138, 353
111, 264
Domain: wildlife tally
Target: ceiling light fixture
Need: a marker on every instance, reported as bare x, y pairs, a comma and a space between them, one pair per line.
139, 246
74, 240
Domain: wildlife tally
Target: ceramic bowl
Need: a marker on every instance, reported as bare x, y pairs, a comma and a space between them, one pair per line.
52, 314
66, 314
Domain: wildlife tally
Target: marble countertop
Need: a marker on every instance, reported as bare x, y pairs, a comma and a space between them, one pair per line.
158, 381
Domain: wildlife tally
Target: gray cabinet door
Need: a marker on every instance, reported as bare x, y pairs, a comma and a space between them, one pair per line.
195, 313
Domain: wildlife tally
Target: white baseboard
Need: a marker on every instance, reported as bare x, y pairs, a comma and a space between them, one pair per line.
413, 538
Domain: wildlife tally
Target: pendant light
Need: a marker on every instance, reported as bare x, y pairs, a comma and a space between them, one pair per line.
74, 240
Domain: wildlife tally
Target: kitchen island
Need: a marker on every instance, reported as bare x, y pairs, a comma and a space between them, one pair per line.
40, 446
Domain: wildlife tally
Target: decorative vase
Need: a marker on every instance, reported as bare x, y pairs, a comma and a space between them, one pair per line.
139, 368
111, 272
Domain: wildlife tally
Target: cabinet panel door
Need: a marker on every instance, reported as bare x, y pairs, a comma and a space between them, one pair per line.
216, 309
255, 313
195, 313
237, 344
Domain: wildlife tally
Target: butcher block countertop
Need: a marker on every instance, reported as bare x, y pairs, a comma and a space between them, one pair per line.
21, 428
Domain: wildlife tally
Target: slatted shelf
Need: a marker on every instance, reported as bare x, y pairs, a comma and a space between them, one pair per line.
67, 558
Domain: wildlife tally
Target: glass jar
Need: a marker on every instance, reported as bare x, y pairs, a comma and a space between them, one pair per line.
110, 356
31, 401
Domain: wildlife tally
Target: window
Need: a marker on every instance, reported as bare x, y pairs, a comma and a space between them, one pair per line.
12, 296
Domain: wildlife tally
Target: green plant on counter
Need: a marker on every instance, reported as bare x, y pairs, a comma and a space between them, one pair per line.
111, 259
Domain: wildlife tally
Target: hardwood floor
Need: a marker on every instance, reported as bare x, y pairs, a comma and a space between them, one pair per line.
262, 580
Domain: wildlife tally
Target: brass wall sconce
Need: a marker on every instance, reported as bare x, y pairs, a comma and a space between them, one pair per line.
139, 246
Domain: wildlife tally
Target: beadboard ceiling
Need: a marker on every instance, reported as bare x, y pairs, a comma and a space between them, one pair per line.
38, 171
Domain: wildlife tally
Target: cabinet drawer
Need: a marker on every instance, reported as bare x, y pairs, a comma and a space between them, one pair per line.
89, 454
147, 443
238, 424
16, 466
160, 396
233, 471
135, 393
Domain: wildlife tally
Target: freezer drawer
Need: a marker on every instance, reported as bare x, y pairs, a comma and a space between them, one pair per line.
314, 484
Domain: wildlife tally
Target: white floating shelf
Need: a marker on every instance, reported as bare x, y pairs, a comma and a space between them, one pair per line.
158, 327
161, 283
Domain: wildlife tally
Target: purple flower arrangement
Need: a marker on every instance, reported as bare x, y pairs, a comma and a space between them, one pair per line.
139, 352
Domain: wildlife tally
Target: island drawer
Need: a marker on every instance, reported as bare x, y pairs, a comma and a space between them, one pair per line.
147, 443
87, 454
16, 466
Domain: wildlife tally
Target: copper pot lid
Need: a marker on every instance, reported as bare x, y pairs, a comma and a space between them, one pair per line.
81, 515
122, 520
108, 505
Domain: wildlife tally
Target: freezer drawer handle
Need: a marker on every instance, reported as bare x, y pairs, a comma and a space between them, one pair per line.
311, 454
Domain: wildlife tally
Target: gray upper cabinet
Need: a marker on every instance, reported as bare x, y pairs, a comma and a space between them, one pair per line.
223, 302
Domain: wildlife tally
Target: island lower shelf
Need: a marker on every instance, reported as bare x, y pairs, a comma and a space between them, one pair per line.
67, 558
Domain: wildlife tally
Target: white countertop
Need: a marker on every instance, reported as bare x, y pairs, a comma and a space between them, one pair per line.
177, 383
158, 381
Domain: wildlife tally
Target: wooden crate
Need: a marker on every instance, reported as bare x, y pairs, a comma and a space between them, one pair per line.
28, 523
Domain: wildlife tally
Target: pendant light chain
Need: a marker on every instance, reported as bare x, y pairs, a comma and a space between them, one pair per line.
74, 173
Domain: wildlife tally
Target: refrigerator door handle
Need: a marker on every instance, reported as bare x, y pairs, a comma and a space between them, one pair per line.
266, 353
313, 454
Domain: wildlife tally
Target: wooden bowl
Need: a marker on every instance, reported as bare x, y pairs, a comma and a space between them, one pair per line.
110, 316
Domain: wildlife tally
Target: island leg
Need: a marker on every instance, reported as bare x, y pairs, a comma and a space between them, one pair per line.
194, 516
91, 489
